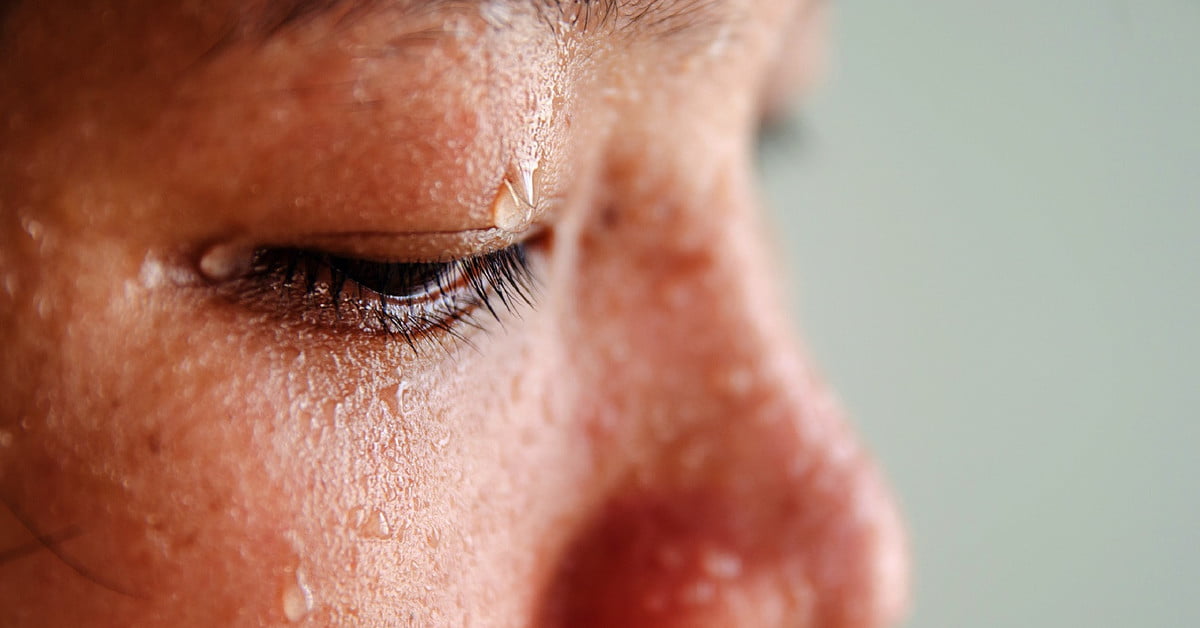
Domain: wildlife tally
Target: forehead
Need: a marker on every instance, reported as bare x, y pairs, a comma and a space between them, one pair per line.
84, 44
139, 35
264, 18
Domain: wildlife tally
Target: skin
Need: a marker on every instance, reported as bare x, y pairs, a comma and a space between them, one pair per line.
644, 445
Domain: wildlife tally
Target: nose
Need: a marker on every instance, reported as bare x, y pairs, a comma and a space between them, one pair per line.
733, 492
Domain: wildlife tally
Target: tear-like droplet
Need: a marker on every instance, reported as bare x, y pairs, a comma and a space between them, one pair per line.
357, 516
721, 564
11, 284
376, 526
225, 261
522, 185
393, 397
297, 599
34, 228
509, 212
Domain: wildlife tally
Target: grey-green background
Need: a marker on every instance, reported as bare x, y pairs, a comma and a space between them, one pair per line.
993, 220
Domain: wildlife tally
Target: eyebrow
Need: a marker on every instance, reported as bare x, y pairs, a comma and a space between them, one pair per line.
268, 17
663, 18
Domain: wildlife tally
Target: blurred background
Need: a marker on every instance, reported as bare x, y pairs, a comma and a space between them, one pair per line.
993, 216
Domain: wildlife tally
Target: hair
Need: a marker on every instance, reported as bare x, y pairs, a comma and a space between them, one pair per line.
5, 7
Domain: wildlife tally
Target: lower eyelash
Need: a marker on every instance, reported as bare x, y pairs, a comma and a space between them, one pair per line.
317, 287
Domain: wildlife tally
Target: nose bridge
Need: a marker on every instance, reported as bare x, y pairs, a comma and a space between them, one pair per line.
688, 298
734, 485
680, 299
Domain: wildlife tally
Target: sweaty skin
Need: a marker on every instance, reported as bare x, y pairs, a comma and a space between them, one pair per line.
643, 444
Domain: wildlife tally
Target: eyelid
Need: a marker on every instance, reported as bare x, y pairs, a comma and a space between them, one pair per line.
425, 246
232, 257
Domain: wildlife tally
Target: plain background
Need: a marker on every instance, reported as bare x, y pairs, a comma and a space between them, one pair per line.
993, 218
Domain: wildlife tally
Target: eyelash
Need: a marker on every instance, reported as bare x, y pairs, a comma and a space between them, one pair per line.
419, 302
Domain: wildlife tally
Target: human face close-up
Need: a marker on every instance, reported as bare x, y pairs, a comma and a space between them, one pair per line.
412, 313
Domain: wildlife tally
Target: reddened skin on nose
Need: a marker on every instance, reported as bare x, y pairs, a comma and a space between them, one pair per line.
790, 533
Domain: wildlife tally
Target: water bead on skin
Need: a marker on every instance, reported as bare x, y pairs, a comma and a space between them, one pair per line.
515, 201
223, 262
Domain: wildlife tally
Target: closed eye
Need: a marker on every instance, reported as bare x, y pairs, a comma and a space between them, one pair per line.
419, 302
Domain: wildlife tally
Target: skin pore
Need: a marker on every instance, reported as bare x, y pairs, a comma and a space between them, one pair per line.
189, 439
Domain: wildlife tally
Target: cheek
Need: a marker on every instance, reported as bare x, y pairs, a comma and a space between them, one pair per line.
172, 461
273, 476
155, 478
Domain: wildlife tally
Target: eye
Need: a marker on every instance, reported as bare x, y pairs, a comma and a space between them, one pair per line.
778, 132
418, 302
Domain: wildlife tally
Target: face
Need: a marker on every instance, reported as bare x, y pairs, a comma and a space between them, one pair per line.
411, 313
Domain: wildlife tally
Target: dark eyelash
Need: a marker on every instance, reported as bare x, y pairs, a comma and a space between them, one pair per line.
419, 302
